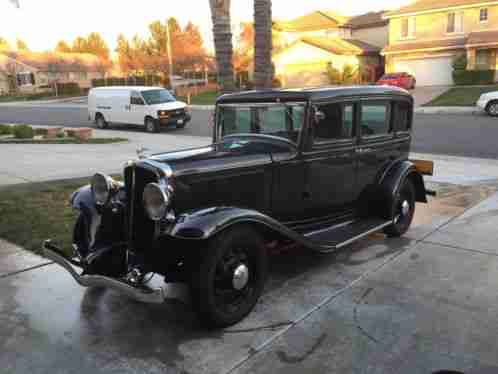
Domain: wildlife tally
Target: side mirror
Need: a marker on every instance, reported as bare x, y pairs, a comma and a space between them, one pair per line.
319, 116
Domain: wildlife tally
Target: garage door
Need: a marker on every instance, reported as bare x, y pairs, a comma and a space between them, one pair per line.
428, 71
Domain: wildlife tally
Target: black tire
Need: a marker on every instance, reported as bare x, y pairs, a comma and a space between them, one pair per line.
101, 122
151, 125
402, 217
492, 108
215, 299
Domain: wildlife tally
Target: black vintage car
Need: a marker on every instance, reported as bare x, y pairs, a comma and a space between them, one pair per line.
318, 167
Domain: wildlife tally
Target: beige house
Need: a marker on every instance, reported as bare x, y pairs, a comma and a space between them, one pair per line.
321, 39
425, 37
37, 72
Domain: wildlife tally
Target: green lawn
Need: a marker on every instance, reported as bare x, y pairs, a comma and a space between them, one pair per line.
31, 213
461, 96
63, 141
31, 97
206, 98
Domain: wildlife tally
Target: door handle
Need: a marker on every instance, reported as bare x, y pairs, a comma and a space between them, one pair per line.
363, 150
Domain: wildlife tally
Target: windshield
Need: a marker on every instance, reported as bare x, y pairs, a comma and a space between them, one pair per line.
282, 120
159, 96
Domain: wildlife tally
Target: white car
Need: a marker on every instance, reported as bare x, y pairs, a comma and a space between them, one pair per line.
151, 107
488, 102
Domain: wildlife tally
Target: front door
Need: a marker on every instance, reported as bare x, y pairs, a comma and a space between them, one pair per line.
330, 160
137, 108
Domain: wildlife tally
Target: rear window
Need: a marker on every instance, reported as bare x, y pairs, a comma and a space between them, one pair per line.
402, 116
375, 119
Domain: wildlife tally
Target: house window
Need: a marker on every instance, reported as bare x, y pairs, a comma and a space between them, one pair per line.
483, 59
408, 28
483, 15
25, 79
455, 23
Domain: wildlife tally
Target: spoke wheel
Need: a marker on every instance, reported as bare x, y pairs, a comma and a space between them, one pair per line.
403, 210
230, 278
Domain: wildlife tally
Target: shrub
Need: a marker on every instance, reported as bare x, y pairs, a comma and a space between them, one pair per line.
470, 77
70, 88
349, 74
5, 129
334, 75
460, 62
23, 132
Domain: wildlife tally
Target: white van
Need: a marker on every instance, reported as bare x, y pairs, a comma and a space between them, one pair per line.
151, 107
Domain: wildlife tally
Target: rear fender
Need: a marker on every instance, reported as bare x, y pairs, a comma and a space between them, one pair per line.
393, 179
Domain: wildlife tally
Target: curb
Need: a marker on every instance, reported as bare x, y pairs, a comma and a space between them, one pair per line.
448, 110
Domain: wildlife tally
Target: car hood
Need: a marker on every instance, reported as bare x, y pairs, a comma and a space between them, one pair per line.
231, 153
169, 106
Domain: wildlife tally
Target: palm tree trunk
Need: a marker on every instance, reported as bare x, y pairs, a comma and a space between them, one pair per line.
220, 13
263, 68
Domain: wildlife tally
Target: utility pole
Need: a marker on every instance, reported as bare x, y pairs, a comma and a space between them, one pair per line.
170, 58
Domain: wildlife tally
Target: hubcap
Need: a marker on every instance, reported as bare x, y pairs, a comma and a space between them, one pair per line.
240, 277
494, 109
405, 208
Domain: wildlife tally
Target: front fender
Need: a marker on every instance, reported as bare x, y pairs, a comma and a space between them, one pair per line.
205, 223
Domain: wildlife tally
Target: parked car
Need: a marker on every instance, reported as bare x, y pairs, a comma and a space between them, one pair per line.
150, 107
318, 167
402, 80
488, 102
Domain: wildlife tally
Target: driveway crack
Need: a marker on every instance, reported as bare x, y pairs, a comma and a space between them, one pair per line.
359, 302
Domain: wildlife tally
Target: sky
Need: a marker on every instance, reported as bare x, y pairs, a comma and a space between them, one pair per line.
41, 23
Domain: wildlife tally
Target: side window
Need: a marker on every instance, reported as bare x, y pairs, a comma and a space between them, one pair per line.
402, 116
136, 99
375, 119
235, 121
337, 123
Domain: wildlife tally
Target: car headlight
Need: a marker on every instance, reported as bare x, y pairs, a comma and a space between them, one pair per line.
156, 201
101, 187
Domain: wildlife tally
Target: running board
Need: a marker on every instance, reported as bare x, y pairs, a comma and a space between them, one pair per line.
336, 237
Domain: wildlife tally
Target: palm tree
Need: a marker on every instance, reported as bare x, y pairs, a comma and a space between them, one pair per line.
220, 13
263, 68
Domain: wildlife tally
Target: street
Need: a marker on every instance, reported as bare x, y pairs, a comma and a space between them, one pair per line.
445, 134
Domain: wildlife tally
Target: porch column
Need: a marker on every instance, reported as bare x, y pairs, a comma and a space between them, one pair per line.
471, 59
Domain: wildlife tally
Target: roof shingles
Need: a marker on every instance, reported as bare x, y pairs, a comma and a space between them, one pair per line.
431, 5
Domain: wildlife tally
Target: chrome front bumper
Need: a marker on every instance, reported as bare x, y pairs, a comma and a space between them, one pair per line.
143, 293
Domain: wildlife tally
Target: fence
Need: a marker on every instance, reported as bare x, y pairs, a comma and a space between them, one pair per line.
148, 80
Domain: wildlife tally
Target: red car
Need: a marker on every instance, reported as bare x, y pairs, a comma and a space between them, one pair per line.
403, 80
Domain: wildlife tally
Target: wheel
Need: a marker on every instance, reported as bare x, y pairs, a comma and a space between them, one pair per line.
101, 122
229, 280
403, 210
150, 125
492, 108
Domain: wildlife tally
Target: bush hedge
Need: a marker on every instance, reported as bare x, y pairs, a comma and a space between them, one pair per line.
130, 81
23, 132
70, 88
5, 129
470, 77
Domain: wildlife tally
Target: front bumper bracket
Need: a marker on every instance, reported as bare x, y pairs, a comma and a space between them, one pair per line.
143, 293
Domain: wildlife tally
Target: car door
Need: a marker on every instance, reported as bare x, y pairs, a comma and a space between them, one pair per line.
330, 160
137, 109
377, 145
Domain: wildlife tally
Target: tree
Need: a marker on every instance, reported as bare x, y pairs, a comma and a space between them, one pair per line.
220, 14
62, 47
263, 68
97, 46
21, 45
79, 45
4, 44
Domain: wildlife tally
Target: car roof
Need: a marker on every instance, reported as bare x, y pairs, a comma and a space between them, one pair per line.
125, 88
306, 94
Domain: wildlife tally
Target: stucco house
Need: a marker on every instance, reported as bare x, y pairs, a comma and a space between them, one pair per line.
35, 72
321, 39
425, 37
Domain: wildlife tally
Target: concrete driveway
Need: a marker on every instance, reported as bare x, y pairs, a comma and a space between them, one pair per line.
412, 305
423, 95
